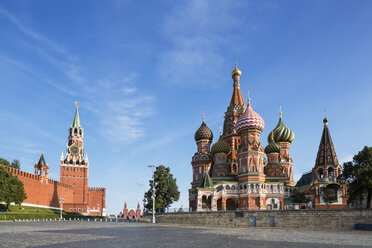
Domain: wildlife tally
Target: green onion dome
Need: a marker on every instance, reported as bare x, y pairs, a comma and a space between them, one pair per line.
281, 133
272, 147
203, 133
220, 146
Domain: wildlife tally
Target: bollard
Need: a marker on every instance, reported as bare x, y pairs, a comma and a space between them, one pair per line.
253, 221
272, 221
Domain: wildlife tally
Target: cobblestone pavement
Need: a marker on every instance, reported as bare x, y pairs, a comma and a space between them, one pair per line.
103, 234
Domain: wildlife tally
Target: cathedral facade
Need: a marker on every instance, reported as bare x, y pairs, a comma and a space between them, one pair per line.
237, 172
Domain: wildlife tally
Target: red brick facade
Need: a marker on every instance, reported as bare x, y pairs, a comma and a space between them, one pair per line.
131, 214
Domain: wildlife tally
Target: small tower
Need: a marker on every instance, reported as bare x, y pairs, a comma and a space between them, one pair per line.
284, 136
201, 161
41, 169
138, 212
125, 210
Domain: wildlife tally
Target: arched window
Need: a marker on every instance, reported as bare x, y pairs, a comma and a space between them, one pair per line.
245, 186
227, 187
233, 187
331, 172
320, 173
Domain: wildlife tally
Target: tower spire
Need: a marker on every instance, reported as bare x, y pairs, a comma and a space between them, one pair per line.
76, 122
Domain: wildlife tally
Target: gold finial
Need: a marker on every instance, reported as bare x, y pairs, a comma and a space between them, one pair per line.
272, 135
280, 110
236, 71
77, 104
220, 130
203, 116
325, 113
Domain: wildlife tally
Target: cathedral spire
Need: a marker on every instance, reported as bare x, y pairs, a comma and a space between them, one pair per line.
326, 153
237, 98
76, 122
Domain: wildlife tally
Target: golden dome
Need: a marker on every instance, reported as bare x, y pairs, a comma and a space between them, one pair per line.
236, 71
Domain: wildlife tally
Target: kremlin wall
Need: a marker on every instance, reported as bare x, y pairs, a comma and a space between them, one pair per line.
73, 187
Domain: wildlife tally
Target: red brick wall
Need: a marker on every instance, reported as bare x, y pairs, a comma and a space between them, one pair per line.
78, 179
43, 193
96, 199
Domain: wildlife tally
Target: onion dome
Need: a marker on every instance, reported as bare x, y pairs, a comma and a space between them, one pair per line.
281, 132
325, 121
272, 147
203, 133
250, 120
236, 71
220, 146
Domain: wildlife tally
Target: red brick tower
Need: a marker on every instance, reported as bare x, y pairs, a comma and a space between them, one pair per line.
74, 166
125, 210
234, 110
138, 212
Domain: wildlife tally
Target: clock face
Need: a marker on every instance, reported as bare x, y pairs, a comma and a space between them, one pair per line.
74, 150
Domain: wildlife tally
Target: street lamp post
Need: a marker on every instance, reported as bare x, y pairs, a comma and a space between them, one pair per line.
61, 199
153, 193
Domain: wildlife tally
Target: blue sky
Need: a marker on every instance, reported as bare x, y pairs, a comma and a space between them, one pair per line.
144, 72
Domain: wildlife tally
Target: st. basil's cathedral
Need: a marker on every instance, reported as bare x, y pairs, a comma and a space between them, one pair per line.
235, 174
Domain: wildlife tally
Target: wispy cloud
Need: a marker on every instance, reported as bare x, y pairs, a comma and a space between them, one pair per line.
197, 32
120, 120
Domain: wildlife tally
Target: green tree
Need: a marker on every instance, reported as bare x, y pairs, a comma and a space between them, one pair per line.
3, 161
358, 175
11, 189
15, 164
299, 197
329, 193
166, 189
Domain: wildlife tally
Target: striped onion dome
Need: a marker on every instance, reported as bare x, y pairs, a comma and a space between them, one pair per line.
281, 132
250, 120
203, 133
220, 146
272, 147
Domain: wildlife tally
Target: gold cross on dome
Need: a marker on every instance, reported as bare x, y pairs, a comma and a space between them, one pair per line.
77, 104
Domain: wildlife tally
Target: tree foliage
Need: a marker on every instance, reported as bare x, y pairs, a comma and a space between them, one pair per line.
299, 197
358, 175
166, 189
5, 162
329, 193
15, 164
11, 188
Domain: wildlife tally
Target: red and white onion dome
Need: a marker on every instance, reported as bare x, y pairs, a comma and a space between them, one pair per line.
250, 120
